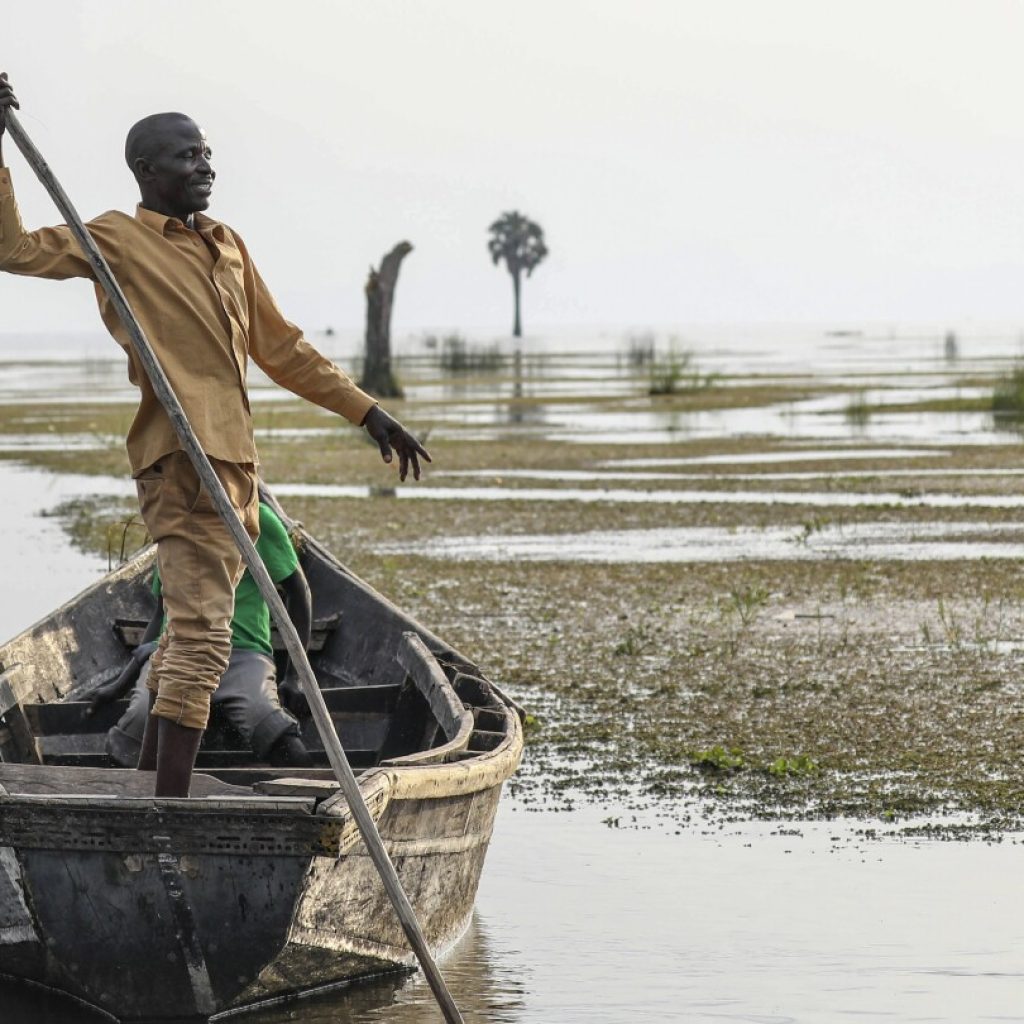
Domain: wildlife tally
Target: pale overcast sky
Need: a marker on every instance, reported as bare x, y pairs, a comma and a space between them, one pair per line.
714, 161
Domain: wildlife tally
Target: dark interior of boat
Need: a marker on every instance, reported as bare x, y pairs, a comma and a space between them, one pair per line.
394, 697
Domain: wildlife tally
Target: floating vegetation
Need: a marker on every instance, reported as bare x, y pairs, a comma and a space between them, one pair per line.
799, 765
718, 759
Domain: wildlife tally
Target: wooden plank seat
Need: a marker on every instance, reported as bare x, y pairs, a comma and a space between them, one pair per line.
489, 720
64, 734
130, 631
69, 716
482, 740
206, 760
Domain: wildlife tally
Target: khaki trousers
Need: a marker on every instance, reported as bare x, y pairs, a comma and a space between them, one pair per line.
199, 569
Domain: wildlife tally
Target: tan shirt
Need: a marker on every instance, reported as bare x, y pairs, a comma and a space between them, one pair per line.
204, 309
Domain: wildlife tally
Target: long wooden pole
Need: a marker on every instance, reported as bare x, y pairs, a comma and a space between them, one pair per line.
296, 652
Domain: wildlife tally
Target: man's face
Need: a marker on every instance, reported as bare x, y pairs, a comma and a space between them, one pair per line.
178, 174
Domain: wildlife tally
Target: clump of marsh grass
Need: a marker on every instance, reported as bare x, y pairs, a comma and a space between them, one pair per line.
460, 356
1008, 395
676, 372
857, 411
640, 350
951, 347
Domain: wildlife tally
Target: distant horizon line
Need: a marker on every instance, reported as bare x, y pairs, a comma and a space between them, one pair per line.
827, 326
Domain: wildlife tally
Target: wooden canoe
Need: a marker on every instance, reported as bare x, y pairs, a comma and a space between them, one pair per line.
258, 888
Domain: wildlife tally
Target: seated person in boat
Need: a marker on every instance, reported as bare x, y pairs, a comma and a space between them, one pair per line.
248, 691
195, 292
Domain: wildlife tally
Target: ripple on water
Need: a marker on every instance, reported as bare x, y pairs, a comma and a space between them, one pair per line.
749, 923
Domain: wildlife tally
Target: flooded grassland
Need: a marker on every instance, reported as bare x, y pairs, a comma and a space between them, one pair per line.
762, 595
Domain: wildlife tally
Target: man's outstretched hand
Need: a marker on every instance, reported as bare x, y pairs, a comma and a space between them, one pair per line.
389, 433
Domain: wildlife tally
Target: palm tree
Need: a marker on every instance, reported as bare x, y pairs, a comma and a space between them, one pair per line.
520, 243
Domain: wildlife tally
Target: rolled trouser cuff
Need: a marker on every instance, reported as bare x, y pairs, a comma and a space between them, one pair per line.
185, 704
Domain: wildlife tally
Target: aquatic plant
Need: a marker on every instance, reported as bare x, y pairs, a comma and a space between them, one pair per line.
857, 411
676, 372
531, 724
636, 641
809, 527
747, 602
459, 356
1008, 395
801, 764
640, 350
718, 759
951, 347
118, 533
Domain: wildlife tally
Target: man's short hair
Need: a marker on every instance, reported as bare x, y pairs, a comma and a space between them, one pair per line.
143, 134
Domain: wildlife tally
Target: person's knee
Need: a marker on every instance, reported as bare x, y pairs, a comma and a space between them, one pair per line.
203, 660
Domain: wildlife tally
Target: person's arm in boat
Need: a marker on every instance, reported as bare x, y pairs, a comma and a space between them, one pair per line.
299, 602
130, 673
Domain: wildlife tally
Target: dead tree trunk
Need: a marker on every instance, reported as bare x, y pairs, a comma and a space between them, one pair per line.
378, 377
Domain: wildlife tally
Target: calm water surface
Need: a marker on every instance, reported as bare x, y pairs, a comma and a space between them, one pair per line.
579, 923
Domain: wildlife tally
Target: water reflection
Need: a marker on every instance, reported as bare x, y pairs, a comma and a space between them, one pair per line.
25, 1005
484, 989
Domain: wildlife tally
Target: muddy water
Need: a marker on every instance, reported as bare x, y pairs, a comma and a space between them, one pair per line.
628, 496
917, 542
41, 569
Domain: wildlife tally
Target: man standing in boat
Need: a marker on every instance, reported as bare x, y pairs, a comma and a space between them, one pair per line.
194, 289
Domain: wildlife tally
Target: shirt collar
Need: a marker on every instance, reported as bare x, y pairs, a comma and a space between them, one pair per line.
158, 222
161, 223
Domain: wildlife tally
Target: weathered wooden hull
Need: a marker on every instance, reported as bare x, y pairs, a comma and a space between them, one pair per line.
165, 910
